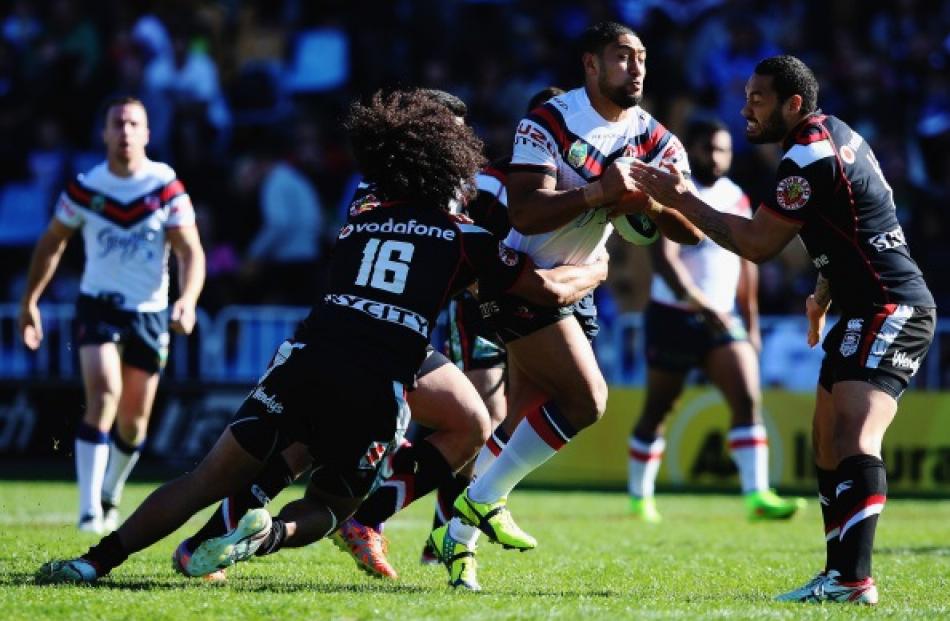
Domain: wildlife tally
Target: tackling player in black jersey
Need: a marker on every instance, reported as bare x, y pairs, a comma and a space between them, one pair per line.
830, 191
339, 385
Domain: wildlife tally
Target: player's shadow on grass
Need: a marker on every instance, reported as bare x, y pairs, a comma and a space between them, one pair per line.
914, 551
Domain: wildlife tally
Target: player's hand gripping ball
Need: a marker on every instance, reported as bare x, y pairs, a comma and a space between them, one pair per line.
635, 228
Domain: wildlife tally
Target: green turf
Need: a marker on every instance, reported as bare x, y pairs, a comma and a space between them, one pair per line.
705, 561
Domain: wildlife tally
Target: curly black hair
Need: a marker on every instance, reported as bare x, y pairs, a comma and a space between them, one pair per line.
413, 147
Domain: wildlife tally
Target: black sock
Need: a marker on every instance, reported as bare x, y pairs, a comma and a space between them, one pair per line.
274, 477
448, 492
417, 470
275, 539
107, 554
862, 492
827, 481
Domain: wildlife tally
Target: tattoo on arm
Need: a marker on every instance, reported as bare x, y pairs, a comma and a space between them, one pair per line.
822, 291
712, 224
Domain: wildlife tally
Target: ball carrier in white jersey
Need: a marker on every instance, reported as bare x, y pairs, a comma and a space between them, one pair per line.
692, 322
563, 186
130, 210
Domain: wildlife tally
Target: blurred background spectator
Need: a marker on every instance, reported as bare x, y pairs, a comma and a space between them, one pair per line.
245, 97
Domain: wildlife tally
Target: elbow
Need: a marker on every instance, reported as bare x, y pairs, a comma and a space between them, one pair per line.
760, 255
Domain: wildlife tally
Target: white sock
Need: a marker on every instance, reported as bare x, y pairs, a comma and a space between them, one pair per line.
486, 457
750, 451
120, 467
463, 533
536, 439
644, 464
91, 459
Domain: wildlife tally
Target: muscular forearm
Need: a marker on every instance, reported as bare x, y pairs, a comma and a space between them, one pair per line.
543, 210
46, 256
674, 225
570, 283
734, 233
672, 271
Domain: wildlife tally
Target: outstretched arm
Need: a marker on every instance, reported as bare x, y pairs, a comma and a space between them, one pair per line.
757, 239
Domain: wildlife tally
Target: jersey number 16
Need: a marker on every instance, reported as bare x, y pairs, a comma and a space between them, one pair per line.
385, 266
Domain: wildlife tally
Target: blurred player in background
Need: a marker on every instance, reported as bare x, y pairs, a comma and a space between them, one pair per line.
130, 210
691, 322
830, 191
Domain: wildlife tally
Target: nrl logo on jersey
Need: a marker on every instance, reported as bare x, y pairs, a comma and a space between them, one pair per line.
793, 192
577, 154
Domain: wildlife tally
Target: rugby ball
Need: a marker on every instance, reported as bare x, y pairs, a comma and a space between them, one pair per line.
636, 228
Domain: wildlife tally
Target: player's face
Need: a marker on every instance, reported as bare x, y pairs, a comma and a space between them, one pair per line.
711, 157
126, 132
622, 69
763, 111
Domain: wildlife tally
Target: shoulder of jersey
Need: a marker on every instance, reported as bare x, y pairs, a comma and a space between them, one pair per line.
812, 143
162, 171
465, 224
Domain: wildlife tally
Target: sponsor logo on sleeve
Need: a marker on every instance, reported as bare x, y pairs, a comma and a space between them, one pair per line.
847, 154
888, 240
793, 192
98, 203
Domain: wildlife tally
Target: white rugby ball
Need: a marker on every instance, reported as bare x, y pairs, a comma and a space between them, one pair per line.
636, 229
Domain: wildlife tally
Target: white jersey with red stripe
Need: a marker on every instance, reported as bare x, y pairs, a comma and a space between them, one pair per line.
714, 270
124, 222
567, 138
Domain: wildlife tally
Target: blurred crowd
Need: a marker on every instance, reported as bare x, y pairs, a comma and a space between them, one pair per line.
245, 99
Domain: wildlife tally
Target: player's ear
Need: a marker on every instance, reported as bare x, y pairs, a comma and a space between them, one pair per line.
794, 104
591, 63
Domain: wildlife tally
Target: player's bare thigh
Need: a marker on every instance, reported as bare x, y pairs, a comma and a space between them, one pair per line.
135, 403
490, 384
559, 361
862, 413
101, 367
734, 369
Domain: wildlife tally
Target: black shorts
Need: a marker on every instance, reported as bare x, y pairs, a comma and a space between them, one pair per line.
143, 337
433, 360
472, 343
678, 340
348, 416
512, 317
884, 347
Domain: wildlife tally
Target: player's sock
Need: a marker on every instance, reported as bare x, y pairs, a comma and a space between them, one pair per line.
417, 470
92, 455
122, 459
275, 538
492, 449
448, 491
827, 481
106, 555
862, 492
750, 451
536, 439
274, 477
646, 454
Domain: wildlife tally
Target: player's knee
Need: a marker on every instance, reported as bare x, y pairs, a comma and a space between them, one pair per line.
588, 407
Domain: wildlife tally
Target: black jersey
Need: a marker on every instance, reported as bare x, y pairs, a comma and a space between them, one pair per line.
831, 183
489, 207
394, 267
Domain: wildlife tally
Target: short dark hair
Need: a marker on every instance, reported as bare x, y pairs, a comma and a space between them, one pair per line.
543, 95
450, 101
600, 35
790, 76
700, 128
410, 145
121, 100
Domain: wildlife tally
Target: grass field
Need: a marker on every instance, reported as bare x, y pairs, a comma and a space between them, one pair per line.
704, 562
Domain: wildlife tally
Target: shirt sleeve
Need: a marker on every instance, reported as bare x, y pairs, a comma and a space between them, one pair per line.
68, 212
670, 153
180, 210
534, 149
798, 191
